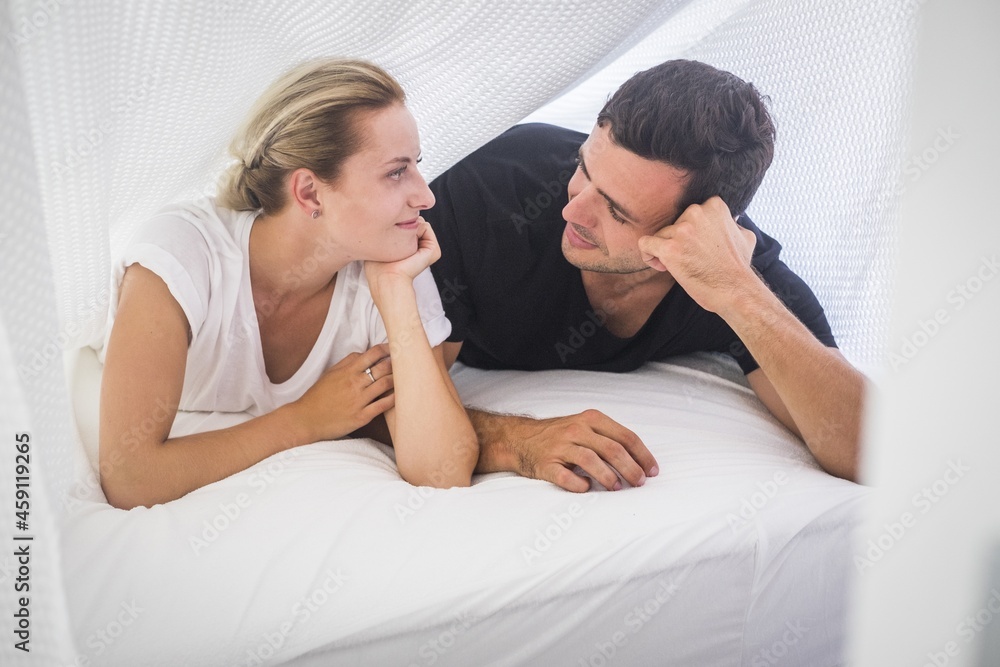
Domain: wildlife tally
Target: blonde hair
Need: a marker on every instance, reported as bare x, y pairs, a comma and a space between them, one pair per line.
308, 118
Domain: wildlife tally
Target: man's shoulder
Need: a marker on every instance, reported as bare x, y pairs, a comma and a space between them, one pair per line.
517, 178
530, 147
766, 249
535, 137
787, 285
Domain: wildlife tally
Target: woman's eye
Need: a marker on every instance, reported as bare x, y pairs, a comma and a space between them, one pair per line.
396, 175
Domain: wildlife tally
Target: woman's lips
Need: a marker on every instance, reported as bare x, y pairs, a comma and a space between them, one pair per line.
576, 240
409, 224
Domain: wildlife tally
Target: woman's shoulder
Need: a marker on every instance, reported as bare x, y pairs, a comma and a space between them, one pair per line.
194, 227
218, 226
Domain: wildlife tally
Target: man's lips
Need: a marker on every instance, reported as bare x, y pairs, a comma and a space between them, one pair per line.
575, 239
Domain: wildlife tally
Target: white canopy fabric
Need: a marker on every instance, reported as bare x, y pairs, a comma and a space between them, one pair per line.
111, 109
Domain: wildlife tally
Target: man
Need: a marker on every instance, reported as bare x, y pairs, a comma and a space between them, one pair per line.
631, 236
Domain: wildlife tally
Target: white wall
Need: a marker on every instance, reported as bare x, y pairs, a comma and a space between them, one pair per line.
934, 446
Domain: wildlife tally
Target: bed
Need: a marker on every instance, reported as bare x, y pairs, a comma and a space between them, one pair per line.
322, 555
738, 553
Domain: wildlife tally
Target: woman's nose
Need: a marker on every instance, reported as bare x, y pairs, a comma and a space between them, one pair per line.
423, 198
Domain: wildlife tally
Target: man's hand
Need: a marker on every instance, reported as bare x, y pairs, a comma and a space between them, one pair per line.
810, 388
548, 449
705, 251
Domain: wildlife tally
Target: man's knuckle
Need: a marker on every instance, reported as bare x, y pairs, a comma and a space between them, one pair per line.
615, 450
557, 475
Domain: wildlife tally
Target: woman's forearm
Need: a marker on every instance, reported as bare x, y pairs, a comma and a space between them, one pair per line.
434, 441
168, 470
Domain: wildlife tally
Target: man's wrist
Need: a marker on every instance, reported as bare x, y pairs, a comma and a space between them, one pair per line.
497, 434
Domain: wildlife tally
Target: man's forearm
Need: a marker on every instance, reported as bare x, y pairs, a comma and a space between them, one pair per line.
495, 432
821, 390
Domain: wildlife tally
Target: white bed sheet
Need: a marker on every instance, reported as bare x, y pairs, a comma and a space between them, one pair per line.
736, 554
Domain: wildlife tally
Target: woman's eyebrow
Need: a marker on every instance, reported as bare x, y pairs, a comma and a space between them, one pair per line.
405, 159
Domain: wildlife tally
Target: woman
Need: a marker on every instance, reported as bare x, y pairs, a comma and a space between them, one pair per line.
277, 297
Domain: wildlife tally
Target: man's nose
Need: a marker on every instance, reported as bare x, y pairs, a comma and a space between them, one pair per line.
576, 210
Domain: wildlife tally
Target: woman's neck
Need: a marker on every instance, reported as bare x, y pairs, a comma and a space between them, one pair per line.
292, 259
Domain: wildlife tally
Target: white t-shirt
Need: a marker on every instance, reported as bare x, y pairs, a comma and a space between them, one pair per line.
200, 250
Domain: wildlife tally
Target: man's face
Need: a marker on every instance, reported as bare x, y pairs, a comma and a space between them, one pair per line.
616, 197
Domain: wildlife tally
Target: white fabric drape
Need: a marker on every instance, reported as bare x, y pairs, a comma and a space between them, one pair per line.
111, 109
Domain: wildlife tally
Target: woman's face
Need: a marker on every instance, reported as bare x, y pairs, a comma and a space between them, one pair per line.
373, 206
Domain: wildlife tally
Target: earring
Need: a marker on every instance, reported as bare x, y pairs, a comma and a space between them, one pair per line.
315, 214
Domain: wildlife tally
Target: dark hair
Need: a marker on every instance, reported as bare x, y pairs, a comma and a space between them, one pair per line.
700, 119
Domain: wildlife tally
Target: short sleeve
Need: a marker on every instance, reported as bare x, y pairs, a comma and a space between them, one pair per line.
432, 315
436, 322
177, 252
788, 287
799, 299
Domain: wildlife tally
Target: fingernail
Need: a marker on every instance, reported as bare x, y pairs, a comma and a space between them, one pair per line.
617, 486
642, 480
654, 471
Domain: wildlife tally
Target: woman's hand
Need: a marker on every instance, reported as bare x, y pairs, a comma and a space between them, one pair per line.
408, 268
344, 399
142, 465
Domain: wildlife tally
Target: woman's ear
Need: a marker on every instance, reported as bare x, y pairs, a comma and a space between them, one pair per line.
304, 191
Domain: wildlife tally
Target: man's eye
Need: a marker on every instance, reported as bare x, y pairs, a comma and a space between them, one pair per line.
614, 214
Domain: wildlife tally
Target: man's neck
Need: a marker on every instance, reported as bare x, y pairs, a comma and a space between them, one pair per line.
645, 281
626, 300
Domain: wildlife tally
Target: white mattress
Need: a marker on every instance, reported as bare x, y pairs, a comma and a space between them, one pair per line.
738, 547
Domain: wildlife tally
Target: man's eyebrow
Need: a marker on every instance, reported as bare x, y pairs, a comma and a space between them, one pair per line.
621, 209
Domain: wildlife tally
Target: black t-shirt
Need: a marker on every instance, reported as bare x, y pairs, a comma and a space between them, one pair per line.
517, 303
